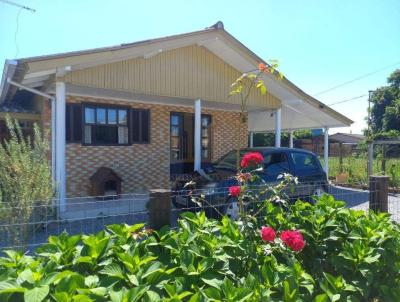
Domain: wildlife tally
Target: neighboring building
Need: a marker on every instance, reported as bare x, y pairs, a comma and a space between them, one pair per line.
344, 144
125, 118
339, 142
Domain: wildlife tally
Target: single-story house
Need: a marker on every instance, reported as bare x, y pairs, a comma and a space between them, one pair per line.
124, 118
344, 144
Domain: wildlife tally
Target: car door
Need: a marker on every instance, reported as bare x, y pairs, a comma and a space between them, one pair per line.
307, 169
275, 164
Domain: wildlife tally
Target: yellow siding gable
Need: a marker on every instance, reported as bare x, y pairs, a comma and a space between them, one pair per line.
189, 72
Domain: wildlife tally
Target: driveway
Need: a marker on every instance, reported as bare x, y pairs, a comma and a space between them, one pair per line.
359, 199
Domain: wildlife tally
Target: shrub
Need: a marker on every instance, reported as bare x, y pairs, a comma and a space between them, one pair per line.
348, 256
274, 252
25, 180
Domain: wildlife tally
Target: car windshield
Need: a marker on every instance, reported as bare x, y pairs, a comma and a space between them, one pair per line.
229, 160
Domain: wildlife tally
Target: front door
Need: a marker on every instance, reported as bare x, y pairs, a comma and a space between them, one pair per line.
182, 141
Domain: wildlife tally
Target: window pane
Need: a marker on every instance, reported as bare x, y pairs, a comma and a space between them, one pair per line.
204, 153
112, 116
88, 134
122, 117
304, 161
174, 131
174, 142
204, 121
204, 132
204, 142
277, 164
175, 120
89, 115
106, 135
101, 115
122, 135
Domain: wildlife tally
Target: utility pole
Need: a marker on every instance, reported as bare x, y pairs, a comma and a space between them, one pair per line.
19, 5
369, 111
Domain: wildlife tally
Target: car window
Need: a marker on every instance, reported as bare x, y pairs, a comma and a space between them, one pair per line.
229, 160
304, 161
276, 163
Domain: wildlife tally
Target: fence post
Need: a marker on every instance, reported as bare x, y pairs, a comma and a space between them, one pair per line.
378, 193
370, 159
159, 208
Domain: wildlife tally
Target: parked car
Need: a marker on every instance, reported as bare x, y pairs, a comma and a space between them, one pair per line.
213, 184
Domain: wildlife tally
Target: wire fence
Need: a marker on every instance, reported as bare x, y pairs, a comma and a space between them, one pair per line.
30, 226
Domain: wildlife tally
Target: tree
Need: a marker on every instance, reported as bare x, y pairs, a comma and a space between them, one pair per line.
385, 111
25, 183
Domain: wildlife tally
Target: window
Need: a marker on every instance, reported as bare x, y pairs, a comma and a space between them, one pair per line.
276, 164
105, 125
205, 137
304, 161
229, 161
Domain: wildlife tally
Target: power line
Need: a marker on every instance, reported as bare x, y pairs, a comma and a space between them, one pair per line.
348, 100
358, 78
16, 33
19, 5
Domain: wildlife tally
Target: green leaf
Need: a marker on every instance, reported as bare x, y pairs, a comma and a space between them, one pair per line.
10, 287
37, 294
321, 298
113, 270
214, 282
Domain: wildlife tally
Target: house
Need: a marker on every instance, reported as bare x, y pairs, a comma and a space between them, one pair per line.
124, 118
344, 144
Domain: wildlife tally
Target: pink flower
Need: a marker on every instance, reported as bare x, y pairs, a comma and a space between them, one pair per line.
251, 159
293, 239
268, 234
234, 191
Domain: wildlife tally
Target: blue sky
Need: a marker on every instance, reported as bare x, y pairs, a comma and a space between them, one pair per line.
319, 44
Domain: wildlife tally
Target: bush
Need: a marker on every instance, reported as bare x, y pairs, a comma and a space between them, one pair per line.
348, 256
25, 182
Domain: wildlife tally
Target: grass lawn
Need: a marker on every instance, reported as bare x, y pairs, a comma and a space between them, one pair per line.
356, 167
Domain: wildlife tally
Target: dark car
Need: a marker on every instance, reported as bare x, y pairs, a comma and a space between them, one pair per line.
213, 182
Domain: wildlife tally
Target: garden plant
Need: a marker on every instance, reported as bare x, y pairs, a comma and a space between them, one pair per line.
277, 252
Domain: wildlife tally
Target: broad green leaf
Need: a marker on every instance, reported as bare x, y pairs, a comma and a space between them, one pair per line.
36, 294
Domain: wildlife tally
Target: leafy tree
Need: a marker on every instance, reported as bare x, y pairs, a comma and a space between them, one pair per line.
25, 182
268, 139
385, 111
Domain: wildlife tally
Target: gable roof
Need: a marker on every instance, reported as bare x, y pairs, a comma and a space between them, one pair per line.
346, 138
39, 71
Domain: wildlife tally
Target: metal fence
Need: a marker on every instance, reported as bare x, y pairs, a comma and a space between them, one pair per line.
30, 226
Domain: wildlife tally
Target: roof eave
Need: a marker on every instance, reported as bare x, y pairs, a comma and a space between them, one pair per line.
345, 120
10, 67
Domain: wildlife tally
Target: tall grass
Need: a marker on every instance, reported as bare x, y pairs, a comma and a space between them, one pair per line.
356, 168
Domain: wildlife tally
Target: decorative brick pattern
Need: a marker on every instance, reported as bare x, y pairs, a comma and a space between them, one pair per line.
144, 166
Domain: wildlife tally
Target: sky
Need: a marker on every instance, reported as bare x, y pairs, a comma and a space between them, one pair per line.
319, 43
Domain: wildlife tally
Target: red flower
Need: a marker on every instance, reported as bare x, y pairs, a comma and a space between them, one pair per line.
234, 191
268, 234
293, 239
251, 159
262, 67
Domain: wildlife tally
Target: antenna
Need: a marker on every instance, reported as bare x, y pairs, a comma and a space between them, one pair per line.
19, 5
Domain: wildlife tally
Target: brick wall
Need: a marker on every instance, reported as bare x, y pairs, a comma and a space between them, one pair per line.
144, 166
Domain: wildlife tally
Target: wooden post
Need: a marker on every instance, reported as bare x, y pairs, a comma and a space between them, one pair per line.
159, 208
370, 159
378, 193
340, 158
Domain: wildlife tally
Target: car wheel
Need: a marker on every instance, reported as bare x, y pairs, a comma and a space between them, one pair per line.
232, 210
